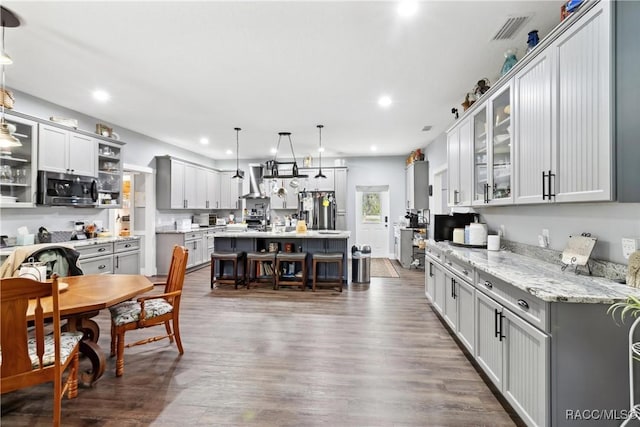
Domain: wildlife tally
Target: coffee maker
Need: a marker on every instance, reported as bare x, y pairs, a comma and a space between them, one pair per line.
413, 219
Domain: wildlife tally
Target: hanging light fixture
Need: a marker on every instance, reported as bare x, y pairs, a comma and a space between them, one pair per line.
273, 165
7, 19
239, 174
320, 150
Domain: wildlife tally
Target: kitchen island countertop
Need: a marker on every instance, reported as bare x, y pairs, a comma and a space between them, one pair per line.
543, 280
310, 234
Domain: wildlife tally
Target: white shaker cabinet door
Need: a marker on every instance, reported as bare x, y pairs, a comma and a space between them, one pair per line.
177, 185
488, 344
453, 167
83, 155
584, 137
465, 298
450, 313
533, 135
53, 149
439, 288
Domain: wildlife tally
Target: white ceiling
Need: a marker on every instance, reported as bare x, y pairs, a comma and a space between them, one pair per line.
179, 71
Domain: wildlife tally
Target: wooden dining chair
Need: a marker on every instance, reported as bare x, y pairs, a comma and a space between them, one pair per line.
152, 310
30, 357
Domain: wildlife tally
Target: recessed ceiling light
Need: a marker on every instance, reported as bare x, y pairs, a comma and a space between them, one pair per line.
204, 141
321, 150
384, 101
101, 95
374, 148
228, 152
273, 150
407, 8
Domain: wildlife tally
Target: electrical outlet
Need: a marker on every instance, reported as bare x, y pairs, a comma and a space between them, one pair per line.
501, 233
545, 234
629, 246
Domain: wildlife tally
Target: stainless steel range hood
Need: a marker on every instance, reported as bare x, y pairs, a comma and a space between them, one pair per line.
256, 188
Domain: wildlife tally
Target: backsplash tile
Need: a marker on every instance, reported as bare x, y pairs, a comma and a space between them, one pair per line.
599, 268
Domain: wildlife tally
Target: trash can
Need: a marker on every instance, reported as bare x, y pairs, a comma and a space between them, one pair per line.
361, 264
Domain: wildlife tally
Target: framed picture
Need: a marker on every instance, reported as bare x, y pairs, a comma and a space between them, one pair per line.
103, 130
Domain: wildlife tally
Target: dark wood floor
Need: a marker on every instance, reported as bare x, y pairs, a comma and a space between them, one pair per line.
373, 355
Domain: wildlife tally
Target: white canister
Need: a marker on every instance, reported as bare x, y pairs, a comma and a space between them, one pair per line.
493, 243
477, 234
458, 235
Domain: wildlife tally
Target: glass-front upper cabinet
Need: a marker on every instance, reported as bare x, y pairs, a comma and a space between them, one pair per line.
18, 165
109, 175
501, 152
480, 156
492, 180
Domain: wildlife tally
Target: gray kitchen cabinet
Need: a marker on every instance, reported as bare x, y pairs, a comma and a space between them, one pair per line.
406, 247
417, 185
208, 245
187, 184
229, 191
488, 345
126, 257
64, 151
459, 164
194, 242
96, 258
465, 324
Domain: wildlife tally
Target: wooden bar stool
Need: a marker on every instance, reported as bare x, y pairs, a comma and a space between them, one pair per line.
236, 278
327, 258
266, 263
286, 279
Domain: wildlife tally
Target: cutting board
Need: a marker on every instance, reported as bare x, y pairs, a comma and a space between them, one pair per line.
578, 250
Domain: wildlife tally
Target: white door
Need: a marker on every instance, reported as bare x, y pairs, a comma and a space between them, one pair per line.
372, 219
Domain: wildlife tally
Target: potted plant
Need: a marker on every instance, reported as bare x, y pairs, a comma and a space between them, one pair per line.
628, 307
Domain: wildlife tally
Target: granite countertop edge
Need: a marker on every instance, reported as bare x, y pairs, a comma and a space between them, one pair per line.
545, 281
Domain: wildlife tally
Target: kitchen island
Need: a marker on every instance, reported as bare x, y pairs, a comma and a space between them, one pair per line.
319, 241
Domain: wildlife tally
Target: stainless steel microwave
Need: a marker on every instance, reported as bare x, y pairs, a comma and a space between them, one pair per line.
60, 189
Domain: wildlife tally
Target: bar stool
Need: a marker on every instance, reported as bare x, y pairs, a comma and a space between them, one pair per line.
295, 279
327, 258
237, 259
265, 261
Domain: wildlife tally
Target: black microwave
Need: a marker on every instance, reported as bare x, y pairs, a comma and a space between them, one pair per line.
60, 189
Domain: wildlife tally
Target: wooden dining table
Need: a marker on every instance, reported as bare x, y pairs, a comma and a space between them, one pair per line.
83, 299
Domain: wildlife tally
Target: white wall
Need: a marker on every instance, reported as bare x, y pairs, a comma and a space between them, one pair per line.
377, 171
609, 222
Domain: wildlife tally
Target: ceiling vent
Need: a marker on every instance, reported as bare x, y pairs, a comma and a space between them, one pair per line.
426, 128
510, 27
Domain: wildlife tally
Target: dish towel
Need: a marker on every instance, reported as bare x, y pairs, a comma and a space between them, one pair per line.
633, 274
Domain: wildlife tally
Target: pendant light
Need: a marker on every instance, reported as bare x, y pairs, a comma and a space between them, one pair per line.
273, 166
7, 19
320, 174
239, 174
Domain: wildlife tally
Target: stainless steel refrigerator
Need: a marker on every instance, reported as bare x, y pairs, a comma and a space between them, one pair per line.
318, 209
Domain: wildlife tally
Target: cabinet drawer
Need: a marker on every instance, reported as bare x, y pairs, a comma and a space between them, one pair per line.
461, 268
97, 265
88, 251
525, 305
193, 235
126, 245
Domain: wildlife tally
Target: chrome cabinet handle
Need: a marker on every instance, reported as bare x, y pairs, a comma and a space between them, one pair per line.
127, 245
102, 249
465, 272
522, 303
102, 267
488, 284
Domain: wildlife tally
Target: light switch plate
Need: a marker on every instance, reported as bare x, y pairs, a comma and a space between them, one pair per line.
629, 246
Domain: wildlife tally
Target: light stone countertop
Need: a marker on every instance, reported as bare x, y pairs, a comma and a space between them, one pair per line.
310, 234
4, 252
541, 279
